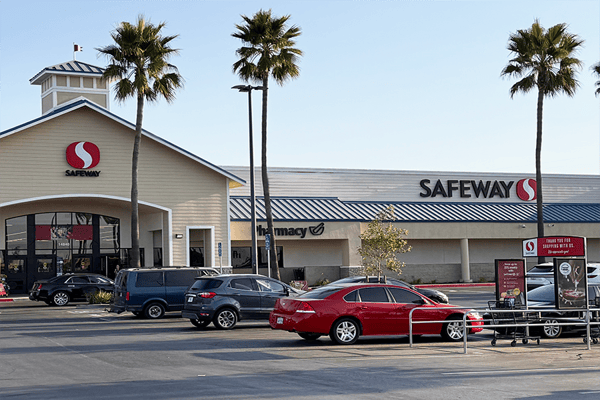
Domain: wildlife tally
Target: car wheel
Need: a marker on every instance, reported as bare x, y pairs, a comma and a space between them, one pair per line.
345, 331
551, 330
309, 336
199, 324
225, 319
453, 330
61, 298
154, 311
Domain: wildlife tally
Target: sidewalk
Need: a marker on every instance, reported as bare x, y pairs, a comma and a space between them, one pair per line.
451, 285
14, 297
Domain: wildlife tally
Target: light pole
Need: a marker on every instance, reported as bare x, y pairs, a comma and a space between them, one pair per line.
248, 89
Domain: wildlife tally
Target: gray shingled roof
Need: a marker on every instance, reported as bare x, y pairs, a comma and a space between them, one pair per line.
333, 209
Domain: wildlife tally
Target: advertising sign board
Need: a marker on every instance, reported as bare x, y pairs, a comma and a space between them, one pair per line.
570, 280
555, 246
510, 281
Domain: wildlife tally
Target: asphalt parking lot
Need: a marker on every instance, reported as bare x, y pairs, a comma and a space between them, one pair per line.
82, 351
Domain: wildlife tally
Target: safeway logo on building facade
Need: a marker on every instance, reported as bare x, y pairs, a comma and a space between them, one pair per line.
83, 155
527, 189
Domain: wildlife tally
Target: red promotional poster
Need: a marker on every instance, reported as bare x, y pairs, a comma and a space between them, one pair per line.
555, 246
510, 281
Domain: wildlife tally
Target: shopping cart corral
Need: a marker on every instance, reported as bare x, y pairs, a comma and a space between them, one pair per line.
510, 322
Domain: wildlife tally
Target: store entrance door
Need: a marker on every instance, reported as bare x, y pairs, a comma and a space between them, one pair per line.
44, 268
16, 276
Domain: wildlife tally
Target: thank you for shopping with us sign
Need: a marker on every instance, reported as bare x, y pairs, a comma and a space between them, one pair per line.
555, 246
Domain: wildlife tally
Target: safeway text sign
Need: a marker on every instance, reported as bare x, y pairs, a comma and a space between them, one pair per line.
555, 246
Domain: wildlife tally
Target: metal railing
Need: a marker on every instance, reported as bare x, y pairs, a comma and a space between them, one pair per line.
526, 324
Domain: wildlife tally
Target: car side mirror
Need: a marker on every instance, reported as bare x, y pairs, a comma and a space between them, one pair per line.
419, 302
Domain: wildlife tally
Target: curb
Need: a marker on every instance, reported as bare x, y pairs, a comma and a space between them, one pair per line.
457, 285
5, 300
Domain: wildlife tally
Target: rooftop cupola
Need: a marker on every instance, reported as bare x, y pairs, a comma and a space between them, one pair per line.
70, 80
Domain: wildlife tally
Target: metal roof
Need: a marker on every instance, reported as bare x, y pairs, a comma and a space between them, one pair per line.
333, 209
67, 68
405, 186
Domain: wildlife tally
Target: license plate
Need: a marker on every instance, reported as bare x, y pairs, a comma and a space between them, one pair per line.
279, 320
190, 299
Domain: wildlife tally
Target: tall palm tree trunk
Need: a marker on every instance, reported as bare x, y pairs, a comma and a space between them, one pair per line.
265, 179
135, 223
538, 168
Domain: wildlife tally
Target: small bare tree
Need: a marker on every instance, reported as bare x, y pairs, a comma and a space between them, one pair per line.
381, 243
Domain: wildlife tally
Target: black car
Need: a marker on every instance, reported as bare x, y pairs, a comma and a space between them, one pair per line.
435, 295
63, 289
544, 298
226, 299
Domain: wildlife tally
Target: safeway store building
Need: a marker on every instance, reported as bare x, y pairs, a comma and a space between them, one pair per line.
458, 223
65, 185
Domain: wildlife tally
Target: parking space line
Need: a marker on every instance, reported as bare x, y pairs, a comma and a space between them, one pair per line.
512, 371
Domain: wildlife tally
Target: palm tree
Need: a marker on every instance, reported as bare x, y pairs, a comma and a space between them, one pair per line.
139, 61
544, 59
268, 50
596, 71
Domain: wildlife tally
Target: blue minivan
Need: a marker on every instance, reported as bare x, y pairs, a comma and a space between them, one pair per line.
150, 292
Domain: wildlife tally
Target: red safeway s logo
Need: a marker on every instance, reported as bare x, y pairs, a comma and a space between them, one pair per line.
83, 155
527, 189
529, 246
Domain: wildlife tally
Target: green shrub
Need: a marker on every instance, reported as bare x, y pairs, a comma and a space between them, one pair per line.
323, 282
100, 297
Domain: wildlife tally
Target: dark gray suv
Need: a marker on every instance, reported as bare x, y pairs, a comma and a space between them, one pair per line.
226, 299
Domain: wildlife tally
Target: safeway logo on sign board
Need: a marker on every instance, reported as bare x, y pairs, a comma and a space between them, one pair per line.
83, 155
527, 189
530, 248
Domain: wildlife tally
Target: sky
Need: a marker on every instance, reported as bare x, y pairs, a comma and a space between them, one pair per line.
383, 85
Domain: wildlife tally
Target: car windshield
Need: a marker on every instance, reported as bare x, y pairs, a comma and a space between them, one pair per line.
541, 270
544, 293
206, 283
321, 293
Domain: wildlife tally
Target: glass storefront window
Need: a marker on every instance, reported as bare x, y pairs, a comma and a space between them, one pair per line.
242, 257
16, 235
109, 233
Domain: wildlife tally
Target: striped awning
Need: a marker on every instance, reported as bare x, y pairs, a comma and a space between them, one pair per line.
333, 209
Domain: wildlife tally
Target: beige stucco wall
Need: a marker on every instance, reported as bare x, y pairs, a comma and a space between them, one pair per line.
178, 190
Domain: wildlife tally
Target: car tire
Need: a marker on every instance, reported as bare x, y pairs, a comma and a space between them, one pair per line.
309, 336
61, 298
452, 331
225, 319
154, 311
199, 324
345, 331
550, 330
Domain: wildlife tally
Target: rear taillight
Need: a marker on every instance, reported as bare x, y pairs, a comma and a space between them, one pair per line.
39, 287
305, 308
127, 297
592, 276
207, 295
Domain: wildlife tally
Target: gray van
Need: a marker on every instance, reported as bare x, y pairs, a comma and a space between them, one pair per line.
150, 292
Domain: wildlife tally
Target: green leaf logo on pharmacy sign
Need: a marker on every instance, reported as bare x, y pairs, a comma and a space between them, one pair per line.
294, 231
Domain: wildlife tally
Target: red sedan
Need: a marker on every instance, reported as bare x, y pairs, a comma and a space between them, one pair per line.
345, 312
